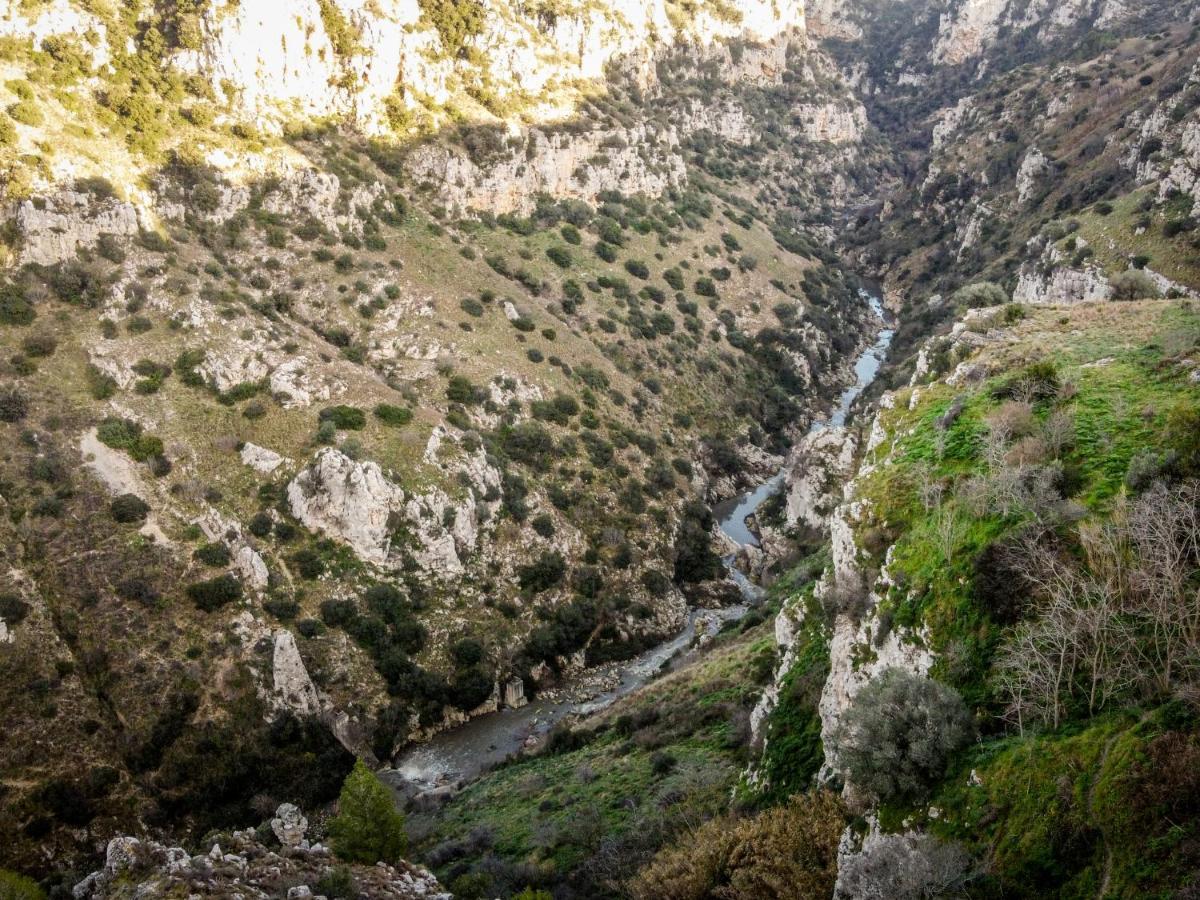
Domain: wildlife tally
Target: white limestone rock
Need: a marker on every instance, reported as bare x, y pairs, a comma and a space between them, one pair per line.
289, 825
293, 687
260, 459
55, 228
347, 500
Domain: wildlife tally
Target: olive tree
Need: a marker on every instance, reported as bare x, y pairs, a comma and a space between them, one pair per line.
898, 734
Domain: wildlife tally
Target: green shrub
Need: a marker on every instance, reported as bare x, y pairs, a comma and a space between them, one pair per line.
542, 574
14, 405
705, 287
1134, 284
1181, 438
471, 306
393, 416
560, 256
606, 251
215, 554
14, 308
368, 828
26, 112
980, 294
344, 418
18, 887
461, 389
283, 609
214, 593
571, 234
13, 609
338, 884
637, 268
129, 508
123, 434
898, 735
308, 564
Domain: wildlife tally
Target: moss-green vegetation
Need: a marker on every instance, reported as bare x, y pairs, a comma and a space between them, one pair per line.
628, 780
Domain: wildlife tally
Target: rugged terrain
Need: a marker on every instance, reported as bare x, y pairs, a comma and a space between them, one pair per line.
374, 366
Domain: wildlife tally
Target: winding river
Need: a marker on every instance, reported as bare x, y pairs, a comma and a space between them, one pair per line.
463, 753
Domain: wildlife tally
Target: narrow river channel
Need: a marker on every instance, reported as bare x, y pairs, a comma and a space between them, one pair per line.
463, 753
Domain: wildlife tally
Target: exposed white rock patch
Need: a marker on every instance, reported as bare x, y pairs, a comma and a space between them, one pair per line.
949, 120
293, 686
55, 228
818, 466
251, 568
831, 122
642, 159
1034, 168
347, 500
298, 383
260, 459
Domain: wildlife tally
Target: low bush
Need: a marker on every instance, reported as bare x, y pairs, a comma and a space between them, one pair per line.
129, 508
215, 593
393, 416
214, 554
344, 418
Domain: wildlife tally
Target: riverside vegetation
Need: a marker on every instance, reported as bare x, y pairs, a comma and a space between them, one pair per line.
375, 367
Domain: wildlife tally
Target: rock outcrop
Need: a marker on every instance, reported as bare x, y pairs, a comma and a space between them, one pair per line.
243, 866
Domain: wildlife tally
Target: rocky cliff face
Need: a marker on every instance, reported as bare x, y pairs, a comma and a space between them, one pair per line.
398, 341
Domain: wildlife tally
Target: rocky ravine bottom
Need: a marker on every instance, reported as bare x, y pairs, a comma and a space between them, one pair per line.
250, 864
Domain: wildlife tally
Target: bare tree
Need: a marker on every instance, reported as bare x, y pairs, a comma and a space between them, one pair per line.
1128, 620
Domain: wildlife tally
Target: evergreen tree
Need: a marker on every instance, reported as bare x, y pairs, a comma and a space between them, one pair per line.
368, 828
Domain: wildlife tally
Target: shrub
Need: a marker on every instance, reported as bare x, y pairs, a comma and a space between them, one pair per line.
308, 563
18, 887
906, 867
1181, 438
26, 112
606, 251
542, 574
786, 852
470, 687
214, 593
14, 405
393, 416
123, 434
14, 308
215, 554
529, 443
543, 524
560, 256
1037, 381
368, 828
1134, 285
13, 609
571, 234
344, 418
471, 306
982, 293
898, 734
129, 508
662, 763
338, 884
637, 268
282, 608
674, 278
705, 287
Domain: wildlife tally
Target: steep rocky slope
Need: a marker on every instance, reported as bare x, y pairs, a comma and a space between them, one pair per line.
371, 365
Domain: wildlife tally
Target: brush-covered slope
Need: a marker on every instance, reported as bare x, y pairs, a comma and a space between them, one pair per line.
366, 368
